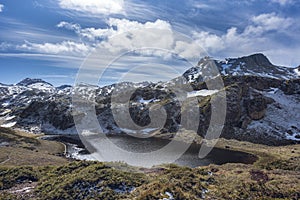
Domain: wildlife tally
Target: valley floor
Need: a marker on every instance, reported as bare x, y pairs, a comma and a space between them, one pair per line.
31, 168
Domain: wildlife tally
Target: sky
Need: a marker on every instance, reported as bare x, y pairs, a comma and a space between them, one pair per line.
137, 40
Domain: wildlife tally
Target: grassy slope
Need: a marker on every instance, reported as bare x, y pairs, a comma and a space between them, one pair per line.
276, 175
269, 157
24, 149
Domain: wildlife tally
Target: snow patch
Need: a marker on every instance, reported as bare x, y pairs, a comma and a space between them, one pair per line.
272, 90
42, 86
170, 196
143, 131
280, 125
109, 90
144, 101
6, 111
225, 67
24, 190
9, 118
8, 125
202, 93
5, 104
293, 137
236, 70
297, 71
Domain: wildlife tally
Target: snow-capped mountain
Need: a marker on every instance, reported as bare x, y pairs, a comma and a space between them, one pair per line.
262, 102
253, 65
38, 84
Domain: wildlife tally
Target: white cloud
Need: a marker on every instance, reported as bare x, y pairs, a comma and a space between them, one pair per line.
124, 25
283, 2
126, 34
91, 33
134, 45
188, 49
69, 26
120, 34
208, 41
105, 7
65, 47
132, 34
1, 7
251, 39
121, 26
5, 46
268, 22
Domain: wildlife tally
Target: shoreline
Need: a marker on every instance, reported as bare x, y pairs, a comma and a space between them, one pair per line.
76, 151
264, 155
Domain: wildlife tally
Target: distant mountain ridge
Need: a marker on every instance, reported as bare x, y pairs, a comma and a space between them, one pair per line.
262, 102
29, 81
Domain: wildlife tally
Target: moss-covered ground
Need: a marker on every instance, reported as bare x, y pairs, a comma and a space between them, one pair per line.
275, 175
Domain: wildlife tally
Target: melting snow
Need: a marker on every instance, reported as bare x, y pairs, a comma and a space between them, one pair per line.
5, 112
274, 123
293, 137
25, 190
9, 118
143, 131
272, 90
224, 67
236, 70
42, 86
8, 125
144, 101
202, 93
171, 197
109, 90
297, 71
5, 104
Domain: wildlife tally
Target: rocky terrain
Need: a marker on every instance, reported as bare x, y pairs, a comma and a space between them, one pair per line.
262, 102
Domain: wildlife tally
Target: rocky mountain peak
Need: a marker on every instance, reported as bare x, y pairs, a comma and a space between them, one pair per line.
258, 59
257, 65
29, 81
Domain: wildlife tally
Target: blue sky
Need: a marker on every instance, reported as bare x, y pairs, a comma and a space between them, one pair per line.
51, 39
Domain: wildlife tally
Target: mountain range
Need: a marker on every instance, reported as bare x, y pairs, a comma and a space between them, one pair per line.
262, 102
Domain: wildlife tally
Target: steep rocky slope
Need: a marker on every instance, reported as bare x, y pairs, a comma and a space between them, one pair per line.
262, 102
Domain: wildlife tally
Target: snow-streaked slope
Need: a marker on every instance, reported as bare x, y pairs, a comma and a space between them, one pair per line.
8, 125
282, 116
297, 71
253, 65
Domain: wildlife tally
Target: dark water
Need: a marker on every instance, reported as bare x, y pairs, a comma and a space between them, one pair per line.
189, 158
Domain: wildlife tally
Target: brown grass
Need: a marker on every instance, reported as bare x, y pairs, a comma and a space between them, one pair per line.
25, 149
